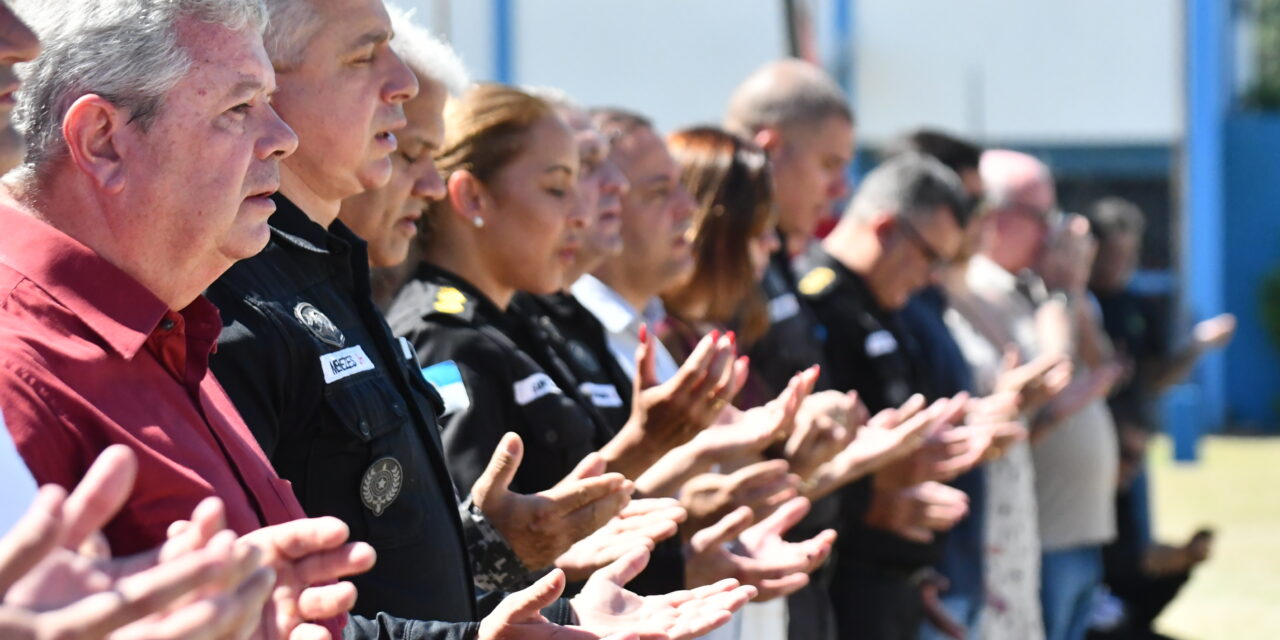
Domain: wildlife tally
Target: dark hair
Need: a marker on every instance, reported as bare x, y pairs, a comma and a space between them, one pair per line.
1112, 216
729, 177
959, 155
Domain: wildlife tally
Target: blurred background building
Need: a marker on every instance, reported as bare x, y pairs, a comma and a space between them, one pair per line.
1170, 104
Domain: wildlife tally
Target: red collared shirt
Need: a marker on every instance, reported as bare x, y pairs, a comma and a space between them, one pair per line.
90, 358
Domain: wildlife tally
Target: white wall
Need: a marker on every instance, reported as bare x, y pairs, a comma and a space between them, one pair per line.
673, 60
1029, 71
1077, 71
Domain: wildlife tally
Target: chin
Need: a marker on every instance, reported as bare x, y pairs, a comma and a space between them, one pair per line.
376, 174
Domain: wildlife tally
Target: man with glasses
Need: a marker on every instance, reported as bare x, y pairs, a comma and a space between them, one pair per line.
905, 222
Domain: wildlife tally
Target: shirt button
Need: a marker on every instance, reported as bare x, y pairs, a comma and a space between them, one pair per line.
167, 324
364, 428
552, 437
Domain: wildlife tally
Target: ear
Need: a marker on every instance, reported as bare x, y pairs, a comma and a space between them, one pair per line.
467, 195
769, 139
884, 225
92, 128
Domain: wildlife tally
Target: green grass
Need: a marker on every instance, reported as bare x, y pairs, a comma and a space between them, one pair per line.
1234, 488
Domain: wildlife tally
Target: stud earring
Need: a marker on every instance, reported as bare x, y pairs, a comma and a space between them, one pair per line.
478, 222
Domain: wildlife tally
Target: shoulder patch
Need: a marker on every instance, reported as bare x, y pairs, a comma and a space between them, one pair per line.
450, 300
447, 380
817, 281
443, 299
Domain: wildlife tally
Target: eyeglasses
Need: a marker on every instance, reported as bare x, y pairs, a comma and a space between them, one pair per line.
912, 234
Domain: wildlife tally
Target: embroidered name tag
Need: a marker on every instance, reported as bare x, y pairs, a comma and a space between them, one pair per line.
880, 343
783, 307
534, 387
447, 380
344, 363
601, 395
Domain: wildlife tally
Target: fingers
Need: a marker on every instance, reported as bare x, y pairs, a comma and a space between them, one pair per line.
145, 593
591, 466
642, 506
327, 601
624, 569
323, 566
493, 484
694, 371
728, 528
571, 496
299, 539
590, 517
100, 494
646, 361
232, 614
786, 516
526, 604
33, 537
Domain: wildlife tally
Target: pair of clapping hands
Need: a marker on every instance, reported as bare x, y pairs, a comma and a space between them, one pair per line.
58, 581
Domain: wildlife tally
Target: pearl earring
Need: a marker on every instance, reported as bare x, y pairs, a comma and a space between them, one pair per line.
478, 222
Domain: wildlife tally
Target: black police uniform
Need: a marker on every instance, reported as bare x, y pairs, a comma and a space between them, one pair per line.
575, 352
874, 589
338, 405
580, 342
448, 320
792, 343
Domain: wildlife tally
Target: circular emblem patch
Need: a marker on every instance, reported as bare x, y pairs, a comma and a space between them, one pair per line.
381, 484
319, 324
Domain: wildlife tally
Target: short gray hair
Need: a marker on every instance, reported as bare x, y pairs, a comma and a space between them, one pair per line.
126, 51
910, 185
292, 25
426, 54
782, 93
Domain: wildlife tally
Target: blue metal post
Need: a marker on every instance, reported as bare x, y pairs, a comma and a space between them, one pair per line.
844, 63
1208, 96
503, 43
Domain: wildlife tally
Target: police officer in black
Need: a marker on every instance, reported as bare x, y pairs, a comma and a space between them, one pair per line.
579, 342
464, 339
904, 222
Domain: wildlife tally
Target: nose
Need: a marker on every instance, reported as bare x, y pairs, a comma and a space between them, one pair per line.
614, 182
278, 139
578, 214
401, 85
17, 42
685, 204
430, 185
839, 186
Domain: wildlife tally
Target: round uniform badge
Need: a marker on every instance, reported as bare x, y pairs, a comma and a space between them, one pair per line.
319, 324
381, 484
583, 356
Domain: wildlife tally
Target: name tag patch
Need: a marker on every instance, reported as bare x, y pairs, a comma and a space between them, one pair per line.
783, 307
880, 343
601, 395
534, 387
344, 363
447, 380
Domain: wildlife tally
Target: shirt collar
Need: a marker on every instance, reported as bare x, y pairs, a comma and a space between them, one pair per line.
110, 302
992, 276
604, 303
293, 226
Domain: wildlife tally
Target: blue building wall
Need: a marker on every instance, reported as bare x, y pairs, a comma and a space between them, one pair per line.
1252, 249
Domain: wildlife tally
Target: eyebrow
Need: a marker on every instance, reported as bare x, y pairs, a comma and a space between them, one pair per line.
373, 37
248, 85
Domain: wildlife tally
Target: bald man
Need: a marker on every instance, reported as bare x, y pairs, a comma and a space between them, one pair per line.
804, 122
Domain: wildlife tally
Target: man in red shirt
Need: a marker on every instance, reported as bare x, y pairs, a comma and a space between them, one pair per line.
148, 172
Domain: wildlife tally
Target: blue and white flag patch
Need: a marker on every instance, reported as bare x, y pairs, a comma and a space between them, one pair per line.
447, 380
